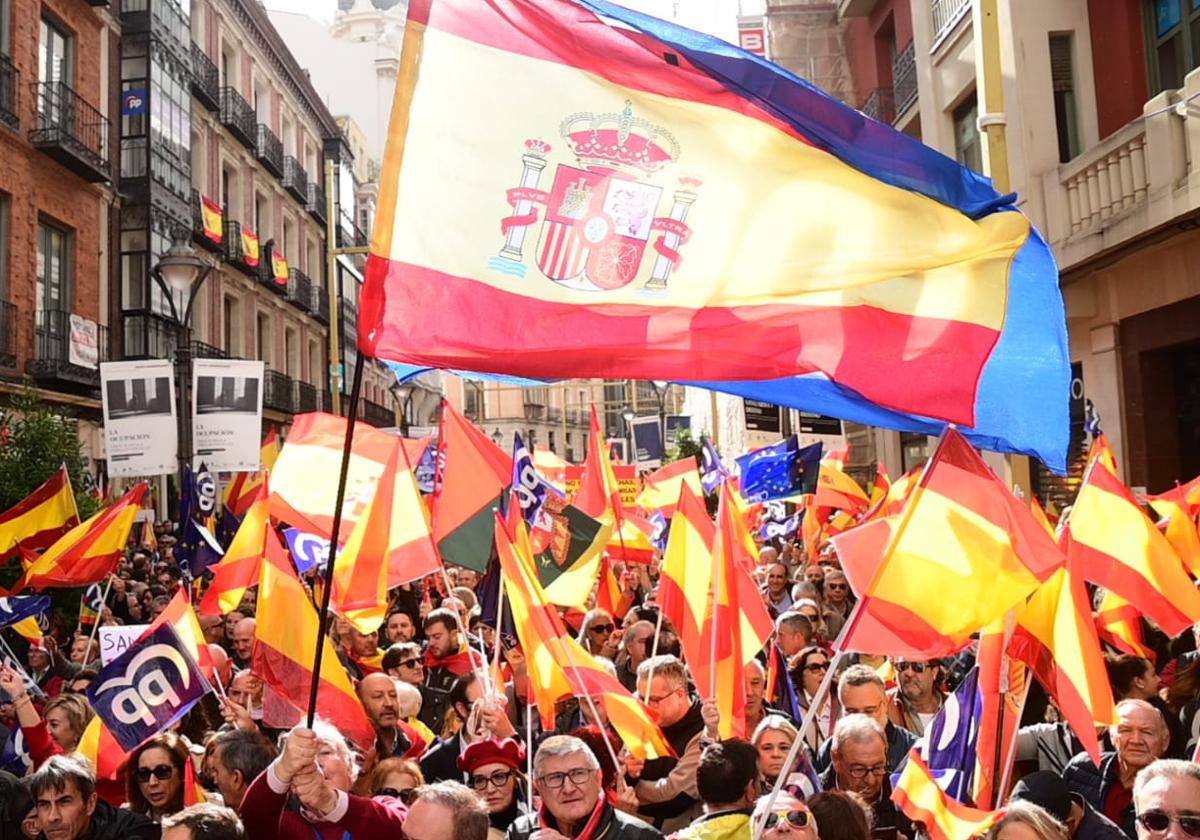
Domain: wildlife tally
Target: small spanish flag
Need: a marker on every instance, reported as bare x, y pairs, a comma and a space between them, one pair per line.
279, 268
214, 220
250, 247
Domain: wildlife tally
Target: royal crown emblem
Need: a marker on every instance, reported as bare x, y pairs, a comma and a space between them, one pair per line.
601, 213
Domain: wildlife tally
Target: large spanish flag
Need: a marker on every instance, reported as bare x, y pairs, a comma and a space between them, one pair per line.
285, 642
241, 567
88, 552
630, 199
40, 518
1115, 545
962, 535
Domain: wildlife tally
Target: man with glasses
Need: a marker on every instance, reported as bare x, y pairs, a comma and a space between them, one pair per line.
860, 766
566, 775
1166, 795
861, 691
838, 600
638, 639
1140, 737
918, 698
664, 789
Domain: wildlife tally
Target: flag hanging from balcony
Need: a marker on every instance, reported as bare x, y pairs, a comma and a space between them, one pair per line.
250, 247
279, 268
214, 220
680, 209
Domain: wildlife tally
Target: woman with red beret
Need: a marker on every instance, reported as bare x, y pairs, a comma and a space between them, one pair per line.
493, 768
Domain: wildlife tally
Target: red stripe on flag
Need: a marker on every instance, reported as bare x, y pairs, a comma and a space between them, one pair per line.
943, 359
293, 681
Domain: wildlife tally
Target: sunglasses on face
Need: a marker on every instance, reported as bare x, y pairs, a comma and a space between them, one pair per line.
411, 663
497, 780
837, 586
915, 667
162, 772
601, 628
1157, 822
816, 666
796, 819
407, 796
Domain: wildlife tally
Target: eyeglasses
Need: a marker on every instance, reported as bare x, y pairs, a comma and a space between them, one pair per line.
655, 701
410, 663
837, 586
816, 666
497, 780
796, 819
1157, 822
915, 667
600, 628
162, 772
407, 796
578, 777
857, 771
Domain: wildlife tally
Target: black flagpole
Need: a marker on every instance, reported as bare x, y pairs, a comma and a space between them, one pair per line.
351, 416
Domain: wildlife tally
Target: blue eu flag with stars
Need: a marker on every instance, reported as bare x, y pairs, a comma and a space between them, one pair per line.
780, 470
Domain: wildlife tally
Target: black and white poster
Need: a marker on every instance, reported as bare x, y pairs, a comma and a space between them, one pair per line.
227, 417
139, 417
647, 442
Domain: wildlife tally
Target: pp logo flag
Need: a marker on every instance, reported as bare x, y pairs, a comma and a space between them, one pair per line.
147, 688
308, 550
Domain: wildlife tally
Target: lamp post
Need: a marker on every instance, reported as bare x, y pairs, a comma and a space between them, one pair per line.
403, 392
181, 273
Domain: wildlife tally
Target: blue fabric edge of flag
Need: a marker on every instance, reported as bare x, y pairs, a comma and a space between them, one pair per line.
872, 147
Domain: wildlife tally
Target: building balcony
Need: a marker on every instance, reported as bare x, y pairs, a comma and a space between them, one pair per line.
269, 150
203, 350
199, 236
946, 15
320, 305
295, 180
71, 131
306, 398
350, 235
904, 79
278, 393
266, 274
299, 290
379, 416
206, 79
148, 335
10, 89
9, 325
238, 117
235, 253
316, 205
67, 348
880, 105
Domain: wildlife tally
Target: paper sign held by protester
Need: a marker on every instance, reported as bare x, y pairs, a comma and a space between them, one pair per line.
116, 640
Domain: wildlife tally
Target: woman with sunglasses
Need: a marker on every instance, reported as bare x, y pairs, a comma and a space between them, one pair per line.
599, 635
788, 819
396, 777
154, 776
493, 769
808, 668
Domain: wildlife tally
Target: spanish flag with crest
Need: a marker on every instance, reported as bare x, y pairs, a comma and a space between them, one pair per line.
250, 247
636, 200
279, 268
214, 220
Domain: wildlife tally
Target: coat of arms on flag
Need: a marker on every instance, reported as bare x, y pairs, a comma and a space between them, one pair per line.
601, 214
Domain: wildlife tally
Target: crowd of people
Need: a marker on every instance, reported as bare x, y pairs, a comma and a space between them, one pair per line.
458, 756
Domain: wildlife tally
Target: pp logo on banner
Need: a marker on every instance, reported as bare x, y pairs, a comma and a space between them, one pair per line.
147, 688
308, 550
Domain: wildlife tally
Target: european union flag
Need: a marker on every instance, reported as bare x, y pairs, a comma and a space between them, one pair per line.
780, 470
712, 471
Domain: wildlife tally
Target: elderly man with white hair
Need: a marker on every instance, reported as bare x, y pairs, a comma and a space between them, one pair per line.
860, 765
566, 776
318, 767
1140, 737
1166, 796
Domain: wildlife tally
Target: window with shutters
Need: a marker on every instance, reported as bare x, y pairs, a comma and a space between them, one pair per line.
1062, 80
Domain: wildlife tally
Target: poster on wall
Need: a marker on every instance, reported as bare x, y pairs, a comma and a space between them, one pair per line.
139, 417
647, 442
227, 415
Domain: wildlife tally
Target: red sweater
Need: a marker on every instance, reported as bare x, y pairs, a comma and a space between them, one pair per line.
264, 814
41, 746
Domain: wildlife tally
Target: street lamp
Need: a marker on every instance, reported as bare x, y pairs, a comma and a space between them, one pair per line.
180, 272
403, 392
497, 436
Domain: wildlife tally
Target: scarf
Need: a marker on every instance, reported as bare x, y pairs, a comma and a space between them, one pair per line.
590, 829
456, 663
